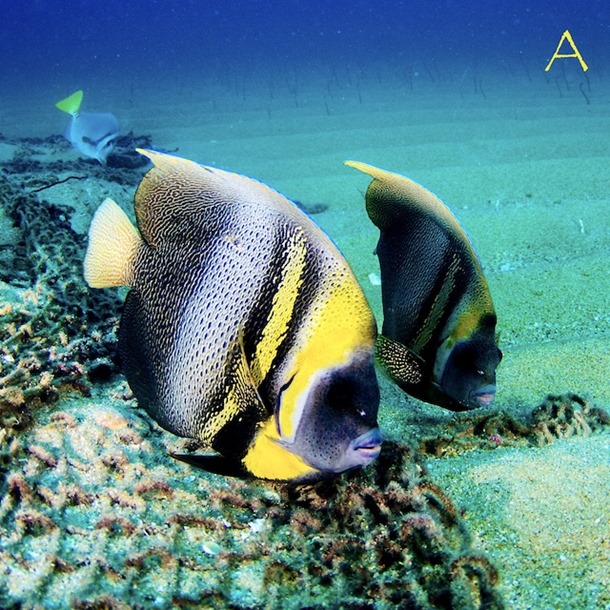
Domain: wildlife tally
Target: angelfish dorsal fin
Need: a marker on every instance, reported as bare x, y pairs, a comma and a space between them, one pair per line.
112, 247
178, 193
399, 361
391, 198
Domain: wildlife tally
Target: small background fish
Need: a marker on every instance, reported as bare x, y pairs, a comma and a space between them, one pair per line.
92, 133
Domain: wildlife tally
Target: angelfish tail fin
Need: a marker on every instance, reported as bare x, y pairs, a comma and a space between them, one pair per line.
112, 248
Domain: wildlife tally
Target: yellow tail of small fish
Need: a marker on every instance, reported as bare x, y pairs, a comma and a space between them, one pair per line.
71, 104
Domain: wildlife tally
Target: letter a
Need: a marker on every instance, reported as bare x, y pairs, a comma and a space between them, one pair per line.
567, 36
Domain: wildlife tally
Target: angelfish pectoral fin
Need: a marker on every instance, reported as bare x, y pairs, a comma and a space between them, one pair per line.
214, 463
243, 381
243, 409
402, 364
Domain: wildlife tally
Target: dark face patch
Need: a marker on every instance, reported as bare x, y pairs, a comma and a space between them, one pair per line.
338, 429
470, 372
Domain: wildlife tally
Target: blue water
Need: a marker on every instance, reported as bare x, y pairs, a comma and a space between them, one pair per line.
83, 42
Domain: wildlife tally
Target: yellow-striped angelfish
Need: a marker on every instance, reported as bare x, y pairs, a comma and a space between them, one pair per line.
438, 341
244, 327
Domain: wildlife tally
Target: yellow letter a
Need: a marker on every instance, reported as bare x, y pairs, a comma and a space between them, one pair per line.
567, 36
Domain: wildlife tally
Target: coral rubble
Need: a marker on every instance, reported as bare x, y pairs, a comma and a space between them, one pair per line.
95, 514
55, 333
562, 416
558, 416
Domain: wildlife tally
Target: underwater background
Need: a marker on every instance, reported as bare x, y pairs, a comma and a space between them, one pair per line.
500, 507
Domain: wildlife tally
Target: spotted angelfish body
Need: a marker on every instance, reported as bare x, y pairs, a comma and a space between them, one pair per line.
241, 311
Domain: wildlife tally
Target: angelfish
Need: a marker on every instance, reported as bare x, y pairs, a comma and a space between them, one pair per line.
438, 340
244, 328
92, 133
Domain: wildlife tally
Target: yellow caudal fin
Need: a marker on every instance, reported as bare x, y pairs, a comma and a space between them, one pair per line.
112, 248
72, 103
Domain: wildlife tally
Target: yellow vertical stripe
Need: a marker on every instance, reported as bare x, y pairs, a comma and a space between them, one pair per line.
282, 308
267, 459
339, 325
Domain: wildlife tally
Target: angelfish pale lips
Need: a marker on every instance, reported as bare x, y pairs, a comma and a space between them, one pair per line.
484, 396
367, 446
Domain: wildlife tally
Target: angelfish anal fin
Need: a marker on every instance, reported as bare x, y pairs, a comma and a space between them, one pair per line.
214, 463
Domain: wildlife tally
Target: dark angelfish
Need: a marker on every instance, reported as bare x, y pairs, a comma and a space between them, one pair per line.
438, 341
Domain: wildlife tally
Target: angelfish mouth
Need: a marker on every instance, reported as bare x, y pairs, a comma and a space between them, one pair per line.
368, 446
484, 396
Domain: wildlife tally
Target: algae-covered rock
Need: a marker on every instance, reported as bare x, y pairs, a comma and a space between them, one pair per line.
52, 326
9, 237
95, 514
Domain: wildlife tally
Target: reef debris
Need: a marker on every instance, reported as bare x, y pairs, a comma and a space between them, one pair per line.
558, 416
565, 415
56, 335
93, 512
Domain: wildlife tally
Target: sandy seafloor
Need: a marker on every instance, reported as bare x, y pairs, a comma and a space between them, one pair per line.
525, 167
